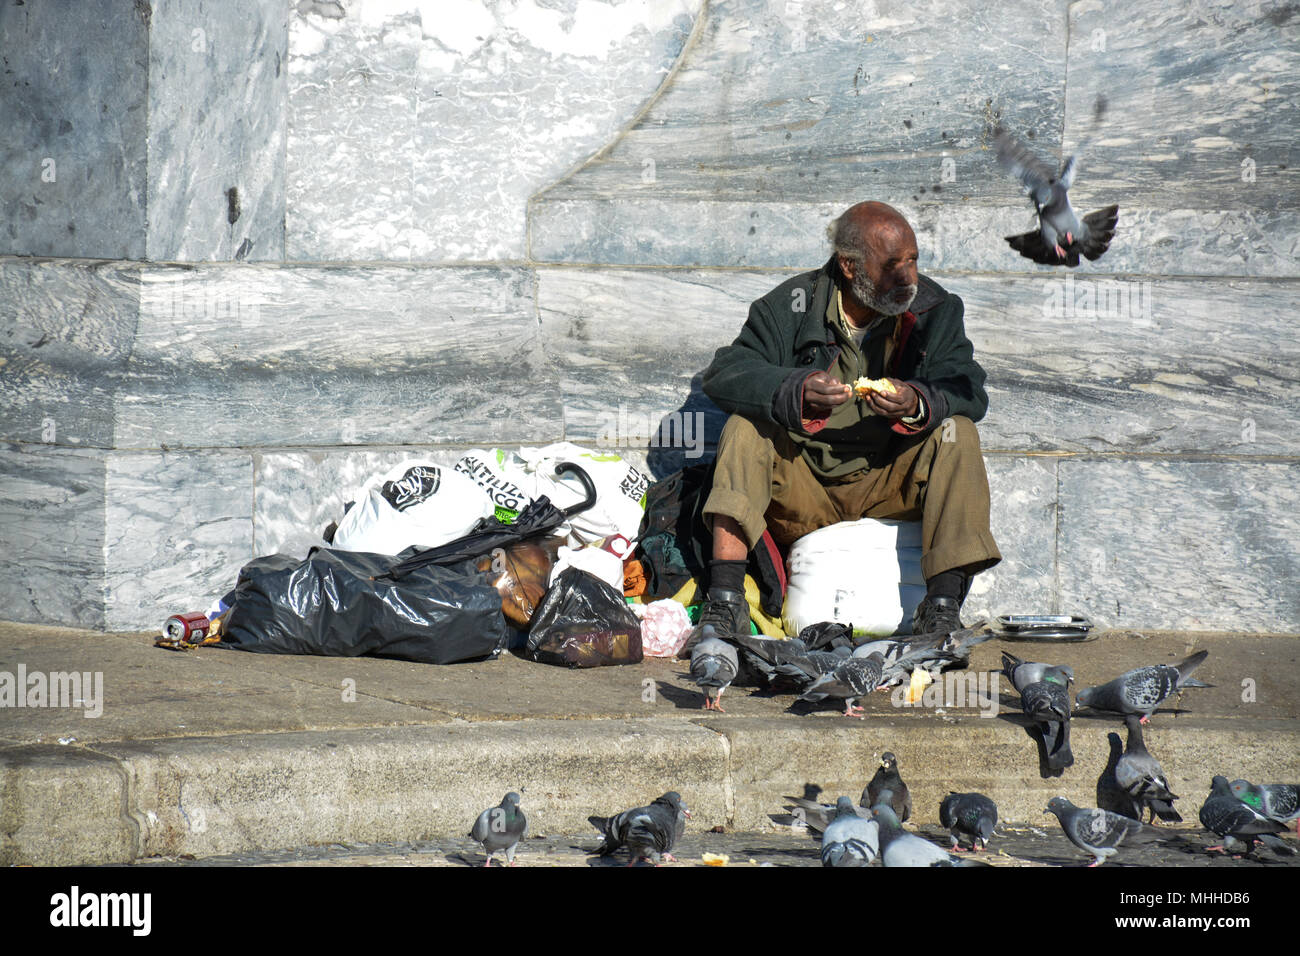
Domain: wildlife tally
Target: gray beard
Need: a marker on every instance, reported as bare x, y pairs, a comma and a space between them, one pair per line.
864, 290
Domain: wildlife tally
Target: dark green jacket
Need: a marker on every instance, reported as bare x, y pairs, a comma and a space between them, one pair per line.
786, 338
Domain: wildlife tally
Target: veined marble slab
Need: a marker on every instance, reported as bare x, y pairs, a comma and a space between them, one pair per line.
1165, 366
762, 232
737, 166
218, 97
419, 128
73, 107
52, 526
66, 329
628, 346
1199, 103
1181, 545
350, 135
177, 526
273, 356
1022, 517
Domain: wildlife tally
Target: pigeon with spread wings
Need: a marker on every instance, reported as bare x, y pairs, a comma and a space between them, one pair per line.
1062, 236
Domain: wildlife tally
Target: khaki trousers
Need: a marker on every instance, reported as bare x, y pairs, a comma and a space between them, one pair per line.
762, 481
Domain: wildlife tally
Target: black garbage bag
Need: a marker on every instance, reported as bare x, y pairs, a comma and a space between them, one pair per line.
331, 604
583, 622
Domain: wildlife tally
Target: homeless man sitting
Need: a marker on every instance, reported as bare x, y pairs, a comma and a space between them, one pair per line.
801, 451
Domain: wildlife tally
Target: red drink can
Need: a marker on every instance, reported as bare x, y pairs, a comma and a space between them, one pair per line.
190, 628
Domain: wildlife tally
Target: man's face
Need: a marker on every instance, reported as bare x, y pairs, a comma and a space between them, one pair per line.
884, 280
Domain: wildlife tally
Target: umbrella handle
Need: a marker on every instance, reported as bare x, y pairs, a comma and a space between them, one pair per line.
567, 468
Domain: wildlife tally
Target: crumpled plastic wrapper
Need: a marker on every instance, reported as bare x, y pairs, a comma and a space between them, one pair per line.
665, 626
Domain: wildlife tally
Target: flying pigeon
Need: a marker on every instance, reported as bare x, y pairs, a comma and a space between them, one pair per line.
850, 680
1277, 801
713, 667
1093, 830
648, 832
970, 813
850, 839
1061, 237
1143, 689
1140, 775
900, 848
501, 828
1238, 822
1045, 699
887, 779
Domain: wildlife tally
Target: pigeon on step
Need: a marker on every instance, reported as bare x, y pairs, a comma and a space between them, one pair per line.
501, 828
850, 839
888, 778
714, 666
1143, 689
649, 833
970, 813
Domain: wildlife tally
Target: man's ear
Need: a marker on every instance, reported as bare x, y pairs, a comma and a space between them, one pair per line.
847, 266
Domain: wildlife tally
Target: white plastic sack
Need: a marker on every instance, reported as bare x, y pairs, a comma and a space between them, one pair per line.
620, 489
865, 573
504, 482
595, 561
416, 504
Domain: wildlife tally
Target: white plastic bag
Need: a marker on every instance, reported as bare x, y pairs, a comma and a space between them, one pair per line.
865, 573
416, 504
508, 487
620, 489
595, 561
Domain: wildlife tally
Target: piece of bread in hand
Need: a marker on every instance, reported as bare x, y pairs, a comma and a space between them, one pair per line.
865, 386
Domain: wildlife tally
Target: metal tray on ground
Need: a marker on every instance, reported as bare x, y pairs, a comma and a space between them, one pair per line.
1034, 627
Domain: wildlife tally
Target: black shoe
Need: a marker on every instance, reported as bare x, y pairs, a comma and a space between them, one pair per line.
937, 615
727, 612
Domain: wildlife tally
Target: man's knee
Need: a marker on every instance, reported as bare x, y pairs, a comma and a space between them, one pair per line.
958, 430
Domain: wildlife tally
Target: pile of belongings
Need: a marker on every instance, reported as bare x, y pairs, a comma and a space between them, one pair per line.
434, 564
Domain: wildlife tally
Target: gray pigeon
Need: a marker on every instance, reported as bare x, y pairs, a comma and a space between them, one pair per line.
900, 848
1277, 801
1238, 822
1110, 795
649, 833
931, 652
1140, 776
1143, 689
1061, 236
970, 813
771, 658
1045, 699
501, 828
713, 667
1093, 830
851, 679
888, 780
850, 839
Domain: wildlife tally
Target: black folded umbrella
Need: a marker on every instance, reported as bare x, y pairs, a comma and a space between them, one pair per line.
538, 519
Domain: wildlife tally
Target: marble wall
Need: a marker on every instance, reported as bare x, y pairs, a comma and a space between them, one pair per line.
297, 246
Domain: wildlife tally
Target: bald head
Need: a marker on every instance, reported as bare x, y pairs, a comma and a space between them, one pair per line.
877, 256
863, 228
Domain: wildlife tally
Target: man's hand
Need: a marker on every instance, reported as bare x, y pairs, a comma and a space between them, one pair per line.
822, 391
902, 403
